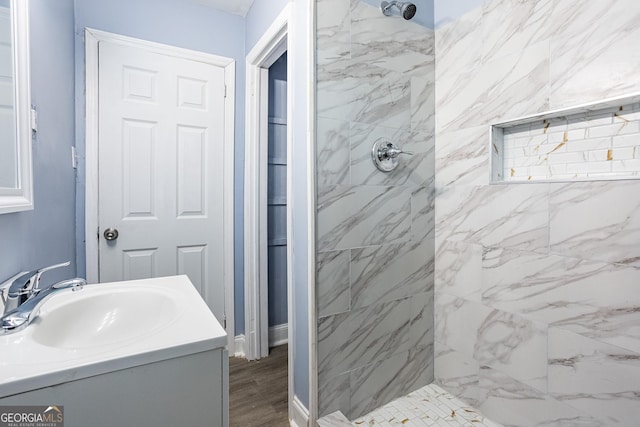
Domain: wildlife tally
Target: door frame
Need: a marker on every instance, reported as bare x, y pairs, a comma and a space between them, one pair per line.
271, 45
266, 51
92, 39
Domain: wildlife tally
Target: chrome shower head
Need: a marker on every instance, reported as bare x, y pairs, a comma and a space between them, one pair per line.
407, 9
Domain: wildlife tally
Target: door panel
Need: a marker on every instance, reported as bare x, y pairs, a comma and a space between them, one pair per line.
161, 132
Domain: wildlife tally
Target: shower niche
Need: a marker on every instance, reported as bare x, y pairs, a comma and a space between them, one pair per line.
596, 141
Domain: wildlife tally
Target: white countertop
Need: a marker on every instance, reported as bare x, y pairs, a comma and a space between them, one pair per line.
189, 327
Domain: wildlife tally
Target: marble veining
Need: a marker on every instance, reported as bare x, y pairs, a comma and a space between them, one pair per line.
536, 309
458, 322
333, 293
421, 333
457, 373
356, 91
597, 378
590, 60
376, 384
334, 394
458, 268
596, 299
423, 213
363, 336
468, 99
602, 233
459, 45
513, 403
332, 152
375, 230
332, 30
356, 216
514, 345
388, 272
394, 44
423, 94
509, 216
461, 157
509, 26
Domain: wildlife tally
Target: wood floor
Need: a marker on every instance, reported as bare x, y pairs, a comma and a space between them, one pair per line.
258, 391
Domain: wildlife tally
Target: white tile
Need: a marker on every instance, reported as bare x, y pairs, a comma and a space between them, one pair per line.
624, 128
626, 141
623, 153
625, 165
588, 144
588, 167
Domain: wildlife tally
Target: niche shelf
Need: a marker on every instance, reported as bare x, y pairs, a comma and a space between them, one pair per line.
596, 141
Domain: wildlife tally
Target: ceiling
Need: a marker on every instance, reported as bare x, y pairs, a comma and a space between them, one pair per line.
237, 7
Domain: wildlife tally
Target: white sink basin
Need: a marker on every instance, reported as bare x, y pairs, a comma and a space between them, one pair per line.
107, 327
98, 319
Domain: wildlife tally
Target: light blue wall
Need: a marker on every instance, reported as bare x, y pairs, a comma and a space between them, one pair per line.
45, 235
179, 23
260, 17
300, 35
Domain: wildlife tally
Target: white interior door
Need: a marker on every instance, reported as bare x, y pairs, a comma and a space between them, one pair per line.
161, 135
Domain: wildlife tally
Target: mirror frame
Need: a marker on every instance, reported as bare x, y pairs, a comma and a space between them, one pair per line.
20, 198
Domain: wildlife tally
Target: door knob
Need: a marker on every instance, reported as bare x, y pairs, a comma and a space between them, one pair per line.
110, 234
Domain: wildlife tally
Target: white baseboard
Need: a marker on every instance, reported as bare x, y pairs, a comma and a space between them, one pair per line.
299, 414
278, 335
239, 346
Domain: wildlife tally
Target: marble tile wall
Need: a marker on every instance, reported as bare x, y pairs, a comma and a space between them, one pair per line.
537, 286
375, 230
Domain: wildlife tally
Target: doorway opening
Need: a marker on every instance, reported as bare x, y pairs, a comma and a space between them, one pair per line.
277, 204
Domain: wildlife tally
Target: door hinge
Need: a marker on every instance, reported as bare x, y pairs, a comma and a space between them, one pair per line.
224, 321
225, 91
98, 233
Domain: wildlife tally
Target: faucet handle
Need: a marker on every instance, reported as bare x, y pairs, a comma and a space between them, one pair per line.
29, 282
36, 283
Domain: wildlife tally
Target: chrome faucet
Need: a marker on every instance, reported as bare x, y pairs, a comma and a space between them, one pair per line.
24, 286
23, 297
19, 318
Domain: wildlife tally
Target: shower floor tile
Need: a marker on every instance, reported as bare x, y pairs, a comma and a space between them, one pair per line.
428, 406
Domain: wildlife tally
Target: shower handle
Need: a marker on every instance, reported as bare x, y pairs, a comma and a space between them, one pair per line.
393, 152
385, 154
